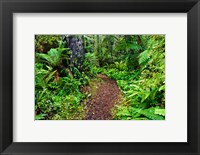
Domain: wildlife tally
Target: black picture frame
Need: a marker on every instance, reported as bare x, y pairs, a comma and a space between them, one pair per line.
8, 7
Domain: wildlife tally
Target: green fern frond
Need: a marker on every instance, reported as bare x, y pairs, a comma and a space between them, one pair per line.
40, 116
52, 58
160, 112
150, 113
143, 57
42, 58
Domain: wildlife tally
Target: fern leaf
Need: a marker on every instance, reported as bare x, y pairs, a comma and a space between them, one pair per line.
40, 116
150, 113
124, 112
160, 112
42, 57
143, 57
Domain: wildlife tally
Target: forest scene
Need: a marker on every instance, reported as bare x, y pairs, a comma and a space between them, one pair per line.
99, 77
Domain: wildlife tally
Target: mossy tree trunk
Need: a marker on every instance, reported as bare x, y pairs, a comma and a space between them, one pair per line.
76, 44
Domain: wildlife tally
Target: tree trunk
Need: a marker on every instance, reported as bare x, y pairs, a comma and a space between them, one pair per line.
76, 44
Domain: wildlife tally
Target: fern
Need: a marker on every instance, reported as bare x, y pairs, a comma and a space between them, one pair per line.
160, 112
143, 57
40, 116
150, 113
123, 112
134, 47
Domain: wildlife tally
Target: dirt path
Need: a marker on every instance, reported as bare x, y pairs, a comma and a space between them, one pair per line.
102, 101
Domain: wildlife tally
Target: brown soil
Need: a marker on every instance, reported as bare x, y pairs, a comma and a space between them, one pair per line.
100, 104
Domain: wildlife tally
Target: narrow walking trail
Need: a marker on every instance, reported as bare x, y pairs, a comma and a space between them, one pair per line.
99, 106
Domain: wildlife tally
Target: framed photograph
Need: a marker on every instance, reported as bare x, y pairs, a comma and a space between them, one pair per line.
106, 77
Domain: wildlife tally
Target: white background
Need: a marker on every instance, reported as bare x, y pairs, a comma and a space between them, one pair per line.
173, 129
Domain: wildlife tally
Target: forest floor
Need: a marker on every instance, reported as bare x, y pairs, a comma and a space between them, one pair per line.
104, 95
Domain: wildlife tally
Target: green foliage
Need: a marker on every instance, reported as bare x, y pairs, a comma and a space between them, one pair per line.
59, 99
132, 113
143, 57
40, 116
43, 43
135, 62
160, 112
90, 64
57, 94
143, 88
54, 56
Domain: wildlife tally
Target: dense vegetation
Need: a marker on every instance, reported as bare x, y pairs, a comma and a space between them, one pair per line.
65, 65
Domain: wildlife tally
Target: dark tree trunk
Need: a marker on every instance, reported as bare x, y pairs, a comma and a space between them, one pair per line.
138, 40
76, 44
